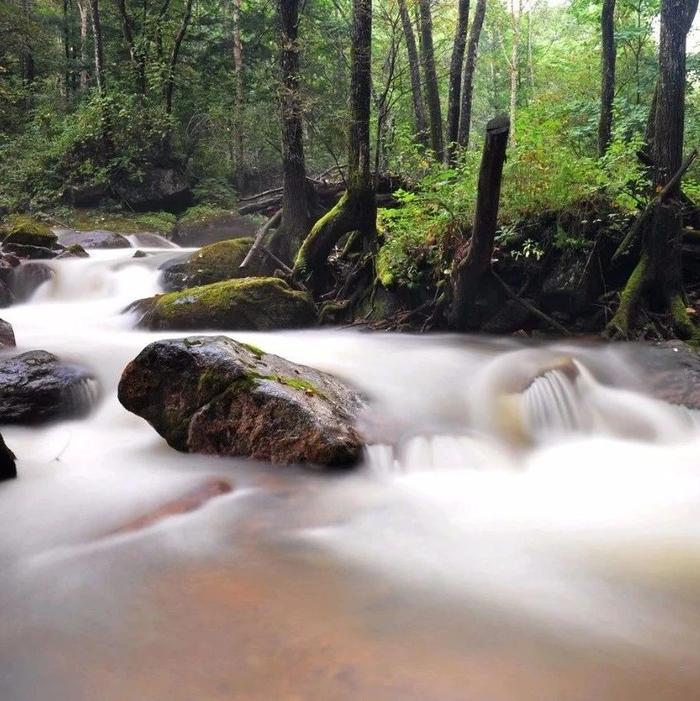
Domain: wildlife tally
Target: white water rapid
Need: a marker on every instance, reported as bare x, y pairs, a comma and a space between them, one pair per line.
510, 540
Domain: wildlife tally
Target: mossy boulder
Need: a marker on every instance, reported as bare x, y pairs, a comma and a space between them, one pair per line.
213, 395
23, 230
254, 303
214, 263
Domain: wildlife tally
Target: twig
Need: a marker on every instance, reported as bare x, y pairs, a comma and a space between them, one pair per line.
259, 236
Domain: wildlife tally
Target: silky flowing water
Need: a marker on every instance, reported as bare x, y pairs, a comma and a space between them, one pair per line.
507, 540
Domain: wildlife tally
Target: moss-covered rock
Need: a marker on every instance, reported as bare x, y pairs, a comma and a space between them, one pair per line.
213, 395
255, 303
24, 230
214, 263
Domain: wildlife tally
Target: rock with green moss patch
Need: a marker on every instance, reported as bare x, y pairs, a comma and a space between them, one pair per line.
214, 263
22, 230
213, 395
254, 303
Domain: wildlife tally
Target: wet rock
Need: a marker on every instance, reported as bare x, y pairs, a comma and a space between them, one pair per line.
140, 254
27, 279
260, 304
8, 470
216, 396
75, 250
159, 189
6, 297
206, 229
92, 239
509, 318
37, 387
32, 252
671, 371
214, 263
7, 335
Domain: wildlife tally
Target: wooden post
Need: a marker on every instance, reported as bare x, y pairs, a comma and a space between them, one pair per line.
467, 270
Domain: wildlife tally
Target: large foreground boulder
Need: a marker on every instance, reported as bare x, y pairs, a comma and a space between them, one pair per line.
253, 303
216, 396
214, 263
37, 387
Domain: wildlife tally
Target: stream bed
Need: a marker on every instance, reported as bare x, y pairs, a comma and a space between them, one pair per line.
460, 561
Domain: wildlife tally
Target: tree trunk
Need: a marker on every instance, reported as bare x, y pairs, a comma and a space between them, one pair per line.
357, 209
174, 55
514, 64
468, 270
296, 217
100, 79
83, 11
68, 66
607, 90
27, 57
414, 68
239, 97
455, 82
465, 117
430, 76
657, 278
136, 54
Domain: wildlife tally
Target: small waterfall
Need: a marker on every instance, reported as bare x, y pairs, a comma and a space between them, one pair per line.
145, 239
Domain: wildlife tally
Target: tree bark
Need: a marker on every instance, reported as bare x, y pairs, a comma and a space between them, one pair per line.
138, 59
465, 116
414, 69
357, 209
514, 63
296, 217
430, 76
83, 12
468, 270
174, 55
607, 89
455, 80
239, 96
657, 278
100, 78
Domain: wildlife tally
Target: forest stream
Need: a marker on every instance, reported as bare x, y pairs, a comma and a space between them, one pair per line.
459, 562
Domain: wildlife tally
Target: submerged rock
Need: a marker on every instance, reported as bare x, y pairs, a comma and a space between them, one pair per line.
8, 470
36, 387
7, 335
214, 263
216, 396
92, 239
27, 279
259, 304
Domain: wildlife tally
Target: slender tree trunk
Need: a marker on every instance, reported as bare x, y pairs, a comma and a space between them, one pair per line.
469, 268
83, 11
136, 54
68, 67
414, 68
607, 90
27, 57
514, 64
296, 218
430, 76
100, 78
174, 56
357, 209
455, 81
468, 77
239, 97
